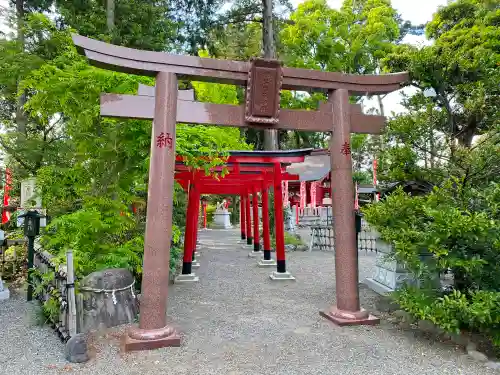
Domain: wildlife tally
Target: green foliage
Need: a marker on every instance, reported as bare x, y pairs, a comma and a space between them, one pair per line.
476, 311
210, 213
461, 66
137, 23
350, 40
457, 225
459, 235
290, 239
101, 235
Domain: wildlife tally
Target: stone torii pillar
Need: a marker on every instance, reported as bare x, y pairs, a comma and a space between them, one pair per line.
264, 80
153, 331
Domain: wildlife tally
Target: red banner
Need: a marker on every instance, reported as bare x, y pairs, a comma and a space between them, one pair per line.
284, 188
6, 197
314, 186
356, 200
303, 194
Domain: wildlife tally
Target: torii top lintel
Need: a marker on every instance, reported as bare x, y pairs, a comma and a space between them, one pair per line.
129, 60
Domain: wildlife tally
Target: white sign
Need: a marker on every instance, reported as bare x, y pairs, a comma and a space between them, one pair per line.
28, 192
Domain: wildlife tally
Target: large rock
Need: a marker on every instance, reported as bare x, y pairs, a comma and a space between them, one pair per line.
75, 350
108, 299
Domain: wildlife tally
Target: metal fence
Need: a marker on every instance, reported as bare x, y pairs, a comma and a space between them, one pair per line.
323, 238
53, 286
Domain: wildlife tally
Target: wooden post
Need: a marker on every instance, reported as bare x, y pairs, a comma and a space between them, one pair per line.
242, 217
196, 217
279, 231
189, 233
265, 223
153, 331
248, 220
255, 209
70, 290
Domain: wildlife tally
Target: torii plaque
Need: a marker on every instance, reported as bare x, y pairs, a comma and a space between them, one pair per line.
166, 108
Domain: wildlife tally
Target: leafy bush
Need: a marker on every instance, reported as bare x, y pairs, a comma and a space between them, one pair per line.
477, 311
290, 239
458, 226
210, 213
451, 225
103, 234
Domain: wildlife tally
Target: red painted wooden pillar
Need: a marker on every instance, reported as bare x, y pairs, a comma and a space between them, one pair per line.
265, 224
255, 208
189, 232
242, 216
196, 218
248, 219
204, 214
279, 220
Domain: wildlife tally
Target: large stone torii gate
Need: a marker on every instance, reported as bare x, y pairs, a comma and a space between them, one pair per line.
264, 80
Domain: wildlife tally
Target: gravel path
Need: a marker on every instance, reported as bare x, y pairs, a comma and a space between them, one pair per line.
237, 321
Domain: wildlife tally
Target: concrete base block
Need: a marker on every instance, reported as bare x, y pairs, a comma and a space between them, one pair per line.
281, 276
190, 278
267, 263
130, 344
377, 287
4, 294
370, 320
247, 247
254, 254
195, 264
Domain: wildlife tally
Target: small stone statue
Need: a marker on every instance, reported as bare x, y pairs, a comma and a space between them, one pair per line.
4, 292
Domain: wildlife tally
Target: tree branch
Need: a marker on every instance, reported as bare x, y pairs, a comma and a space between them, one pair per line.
16, 157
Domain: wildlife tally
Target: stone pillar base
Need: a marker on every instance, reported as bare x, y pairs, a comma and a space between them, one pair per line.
197, 254
195, 264
344, 318
132, 344
189, 278
281, 276
267, 263
254, 254
4, 294
247, 247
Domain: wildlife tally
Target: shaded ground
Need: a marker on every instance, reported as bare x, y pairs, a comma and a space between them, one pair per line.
237, 321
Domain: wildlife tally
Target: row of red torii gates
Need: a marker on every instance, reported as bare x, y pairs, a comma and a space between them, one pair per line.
250, 173
264, 79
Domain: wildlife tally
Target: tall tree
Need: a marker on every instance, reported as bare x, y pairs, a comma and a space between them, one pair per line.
461, 67
270, 135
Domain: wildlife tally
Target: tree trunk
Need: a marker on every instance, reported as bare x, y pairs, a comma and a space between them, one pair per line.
380, 141
110, 15
270, 135
21, 118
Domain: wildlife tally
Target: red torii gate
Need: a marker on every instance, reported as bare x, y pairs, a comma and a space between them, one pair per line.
250, 173
264, 80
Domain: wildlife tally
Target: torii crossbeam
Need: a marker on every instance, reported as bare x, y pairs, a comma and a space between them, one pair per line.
264, 80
